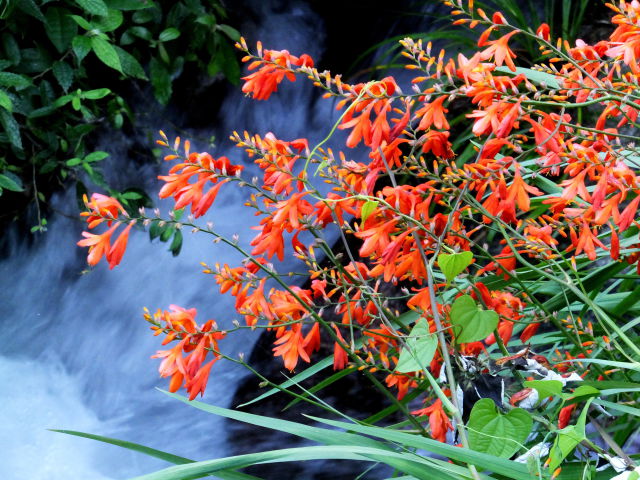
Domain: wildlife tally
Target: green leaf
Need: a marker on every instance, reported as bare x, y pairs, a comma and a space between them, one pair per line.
5, 101
64, 74
454, 264
106, 53
112, 20
82, 22
81, 46
94, 7
130, 66
8, 181
227, 59
418, 352
130, 4
152, 452
533, 75
470, 322
367, 209
11, 128
493, 463
161, 81
73, 162
11, 48
230, 32
176, 244
60, 27
96, 94
19, 82
545, 388
568, 438
492, 432
97, 156
30, 8
169, 34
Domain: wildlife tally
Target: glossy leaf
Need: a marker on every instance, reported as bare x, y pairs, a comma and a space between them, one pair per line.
60, 27
64, 75
106, 53
10, 182
94, 7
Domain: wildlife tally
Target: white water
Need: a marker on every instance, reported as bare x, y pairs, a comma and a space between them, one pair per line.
74, 349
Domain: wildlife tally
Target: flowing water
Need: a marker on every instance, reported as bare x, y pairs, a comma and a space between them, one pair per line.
74, 349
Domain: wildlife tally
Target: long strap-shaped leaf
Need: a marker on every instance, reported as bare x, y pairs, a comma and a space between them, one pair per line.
152, 452
508, 468
418, 467
504, 467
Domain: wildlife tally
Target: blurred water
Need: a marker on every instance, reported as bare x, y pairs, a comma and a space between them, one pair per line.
74, 350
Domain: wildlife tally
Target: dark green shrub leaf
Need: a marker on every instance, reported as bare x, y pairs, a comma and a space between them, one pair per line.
497, 434
470, 322
9, 181
82, 22
106, 53
96, 94
30, 8
35, 60
230, 32
11, 128
96, 156
64, 74
454, 264
5, 101
229, 62
60, 27
140, 32
418, 352
81, 46
19, 82
176, 244
130, 66
94, 7
129, 4
161, 81
169, 34
11, 48
112, 20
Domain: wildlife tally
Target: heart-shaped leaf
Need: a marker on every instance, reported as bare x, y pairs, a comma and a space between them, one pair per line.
453, 264
495, 433
367, 209
419, 349
545, 388
470, 322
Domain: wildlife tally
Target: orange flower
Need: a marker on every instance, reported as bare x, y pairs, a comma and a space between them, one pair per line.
276, 65
99, 207
500, 51
114, 256
99, 245
439, 423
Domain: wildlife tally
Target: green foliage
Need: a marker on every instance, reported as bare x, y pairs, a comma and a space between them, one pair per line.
454, 264
65, 66
495, 433
471, 323
419, 349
